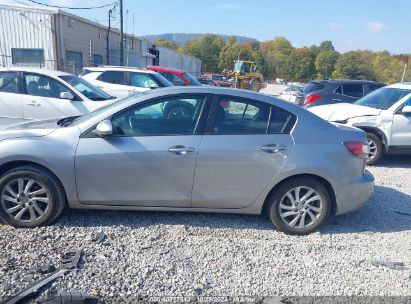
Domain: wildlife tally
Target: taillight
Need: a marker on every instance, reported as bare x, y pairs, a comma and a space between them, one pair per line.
357, 148
311, 98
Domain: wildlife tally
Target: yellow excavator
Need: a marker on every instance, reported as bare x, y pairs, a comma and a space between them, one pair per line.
246, 76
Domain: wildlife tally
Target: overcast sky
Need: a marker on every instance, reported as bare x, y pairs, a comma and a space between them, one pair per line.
350, 24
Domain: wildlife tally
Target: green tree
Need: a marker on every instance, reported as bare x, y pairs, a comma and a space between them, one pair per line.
301, 64
388, 69
232, 52
276, 54
166, 43
208, 49
315, 50
326, 45
353, 65
325, 63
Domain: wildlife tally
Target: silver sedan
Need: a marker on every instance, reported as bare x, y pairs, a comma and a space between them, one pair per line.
201, 149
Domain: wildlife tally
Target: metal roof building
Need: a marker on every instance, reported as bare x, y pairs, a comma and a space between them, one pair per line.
55, 39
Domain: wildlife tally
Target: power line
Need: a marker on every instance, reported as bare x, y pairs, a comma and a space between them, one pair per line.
23, 3
73, 8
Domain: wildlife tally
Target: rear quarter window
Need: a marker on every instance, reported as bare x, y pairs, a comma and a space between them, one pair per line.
313, 86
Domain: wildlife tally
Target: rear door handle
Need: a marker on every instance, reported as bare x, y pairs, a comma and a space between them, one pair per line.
33, 103
180, 149
337, 100
273, 148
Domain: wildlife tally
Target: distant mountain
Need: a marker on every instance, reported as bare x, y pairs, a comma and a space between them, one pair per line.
182, 38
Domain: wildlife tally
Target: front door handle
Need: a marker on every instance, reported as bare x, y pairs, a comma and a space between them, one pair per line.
180, 149
273, 148
33, 103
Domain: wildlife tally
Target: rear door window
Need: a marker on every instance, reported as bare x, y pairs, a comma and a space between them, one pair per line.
115, 77
237, 116
141, 80
281, 121
234, 116
353, 90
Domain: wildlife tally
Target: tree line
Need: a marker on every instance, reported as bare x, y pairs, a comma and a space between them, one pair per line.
278, 58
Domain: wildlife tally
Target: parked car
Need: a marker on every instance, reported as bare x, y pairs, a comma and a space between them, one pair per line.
385, 116
219, 79
27, 94
124, 81
322, 92
131, 156
291, 93
175, 76
205, 81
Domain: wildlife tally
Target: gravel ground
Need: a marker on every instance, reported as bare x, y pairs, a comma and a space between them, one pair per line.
148, 254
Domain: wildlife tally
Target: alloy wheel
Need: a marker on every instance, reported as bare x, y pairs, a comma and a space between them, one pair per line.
301, 207
25, 199
373, 149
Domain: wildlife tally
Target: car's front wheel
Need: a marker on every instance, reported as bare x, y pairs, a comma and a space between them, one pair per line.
299, 206
375, 149
29, 197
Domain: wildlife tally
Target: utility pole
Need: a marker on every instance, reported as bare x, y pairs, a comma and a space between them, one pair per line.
110, 13
121, 34
403, 73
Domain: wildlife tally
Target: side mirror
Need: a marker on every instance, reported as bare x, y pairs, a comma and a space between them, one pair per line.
104, 128
66, 95
406, 109
154, 86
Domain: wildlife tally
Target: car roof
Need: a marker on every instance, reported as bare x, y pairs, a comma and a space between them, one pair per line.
36, 70
401, 85
165, 69
117, 68
340, 81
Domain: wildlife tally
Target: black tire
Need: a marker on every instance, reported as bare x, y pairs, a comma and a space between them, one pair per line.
376, 147
273, 208
178, 110
55, 193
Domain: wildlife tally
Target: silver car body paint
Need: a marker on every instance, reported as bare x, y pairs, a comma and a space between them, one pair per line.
226, 173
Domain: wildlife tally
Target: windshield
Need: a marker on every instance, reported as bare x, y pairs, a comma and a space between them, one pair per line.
85, 88
383, 98
160, 78
191, 79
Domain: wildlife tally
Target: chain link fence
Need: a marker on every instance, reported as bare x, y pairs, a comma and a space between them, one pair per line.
60, 65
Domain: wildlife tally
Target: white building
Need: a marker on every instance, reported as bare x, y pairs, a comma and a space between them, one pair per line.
55, 39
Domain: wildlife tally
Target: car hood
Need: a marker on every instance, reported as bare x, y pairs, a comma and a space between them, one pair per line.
29, 129
343, 111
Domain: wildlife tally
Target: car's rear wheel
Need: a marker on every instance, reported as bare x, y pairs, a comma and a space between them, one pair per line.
299, 206
29, 197
376, 149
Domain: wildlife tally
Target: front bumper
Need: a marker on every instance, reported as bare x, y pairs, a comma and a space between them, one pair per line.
355, 195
